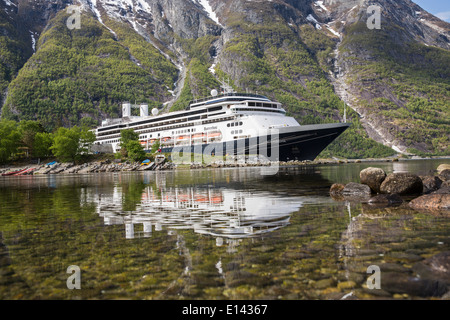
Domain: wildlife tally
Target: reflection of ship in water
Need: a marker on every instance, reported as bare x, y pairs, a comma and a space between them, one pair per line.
222, 213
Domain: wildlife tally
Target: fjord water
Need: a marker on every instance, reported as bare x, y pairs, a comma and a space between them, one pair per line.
227, 233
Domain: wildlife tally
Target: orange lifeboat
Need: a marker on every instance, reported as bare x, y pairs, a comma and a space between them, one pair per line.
198, 136
215, 136
167, 140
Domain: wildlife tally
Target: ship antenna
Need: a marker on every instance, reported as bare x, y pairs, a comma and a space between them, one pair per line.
226, 86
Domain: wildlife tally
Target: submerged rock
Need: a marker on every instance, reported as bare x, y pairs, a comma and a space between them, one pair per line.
402, 184
395, 282
436, 267
373, 177
385, 200
432, 201
325, 283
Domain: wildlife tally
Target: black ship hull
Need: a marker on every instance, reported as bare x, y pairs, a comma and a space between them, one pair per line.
283, 144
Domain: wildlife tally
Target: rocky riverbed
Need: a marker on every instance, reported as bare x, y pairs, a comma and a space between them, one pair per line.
376, 188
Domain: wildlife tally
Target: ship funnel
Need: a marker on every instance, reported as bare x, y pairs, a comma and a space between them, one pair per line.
144, 110
126, 110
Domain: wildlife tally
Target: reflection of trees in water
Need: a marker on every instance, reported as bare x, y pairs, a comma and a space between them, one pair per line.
132, 194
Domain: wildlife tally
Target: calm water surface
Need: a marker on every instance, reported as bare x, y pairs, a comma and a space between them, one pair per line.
211, 234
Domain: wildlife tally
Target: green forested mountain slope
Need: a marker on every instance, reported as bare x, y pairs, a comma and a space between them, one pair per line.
84, 75
15, 47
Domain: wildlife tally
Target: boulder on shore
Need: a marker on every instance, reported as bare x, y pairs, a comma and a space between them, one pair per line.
434, 201
337, 189
373, 177
443, 167
445, 189
445, 175
356, 189
402, 184
430, 184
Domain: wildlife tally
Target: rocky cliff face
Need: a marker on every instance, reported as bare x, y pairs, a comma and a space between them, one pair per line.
311, 55
409, 38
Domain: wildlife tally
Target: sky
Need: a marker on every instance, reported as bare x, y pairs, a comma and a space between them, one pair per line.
440, 8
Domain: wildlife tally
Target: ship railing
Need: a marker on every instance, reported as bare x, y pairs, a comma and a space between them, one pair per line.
231, 94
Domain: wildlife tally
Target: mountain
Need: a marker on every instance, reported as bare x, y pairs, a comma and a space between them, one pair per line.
313, 56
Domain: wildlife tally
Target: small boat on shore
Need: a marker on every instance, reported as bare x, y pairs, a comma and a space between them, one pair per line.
13, 173
25, 172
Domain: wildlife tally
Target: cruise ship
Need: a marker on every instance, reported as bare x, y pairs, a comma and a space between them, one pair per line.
228, 124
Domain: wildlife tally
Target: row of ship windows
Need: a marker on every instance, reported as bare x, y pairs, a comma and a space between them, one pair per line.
234, 124
169, 127
236, 131
186, 114
264, 105
184, 131
173, 132
259, 110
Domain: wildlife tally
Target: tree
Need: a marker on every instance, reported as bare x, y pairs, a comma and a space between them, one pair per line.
65, 144
135, 150
28, 130
72, 144
43, 142
87, 139
9, 140
126, 136
130, 145
155, 146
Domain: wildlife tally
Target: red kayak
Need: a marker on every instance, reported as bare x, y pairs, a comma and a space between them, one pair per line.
27, 171
13, 173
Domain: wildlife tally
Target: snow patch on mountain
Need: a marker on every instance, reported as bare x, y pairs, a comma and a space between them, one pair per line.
310, 18
33, 41
9, 3
207, 7
321, 5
